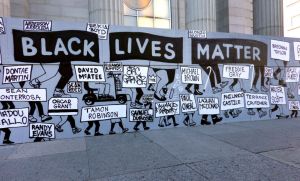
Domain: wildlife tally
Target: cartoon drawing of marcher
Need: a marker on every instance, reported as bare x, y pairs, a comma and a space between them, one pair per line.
213, 72
166, 77
138, 123
97, 127
233, 84
163, 121
120, 123
33, 105
66, 72
71, 120
147, 104
214, 117
280, 115
7, 132
196, 89
260, 111
294, 114
188, 107
152, 80
232, 112
259, 71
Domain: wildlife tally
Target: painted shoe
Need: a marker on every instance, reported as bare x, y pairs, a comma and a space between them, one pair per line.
8, 142
32, 119
224, 84
87, 132
98, 134
216, 90
76, 130
205, 122
215, 120
125, 130
46, 118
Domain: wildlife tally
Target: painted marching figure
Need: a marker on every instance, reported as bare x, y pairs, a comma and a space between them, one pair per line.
120, 123
38, 104
213, 72
147, 104
214, 117
97, 127
7, 132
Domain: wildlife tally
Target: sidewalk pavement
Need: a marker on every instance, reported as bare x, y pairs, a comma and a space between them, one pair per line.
256, 150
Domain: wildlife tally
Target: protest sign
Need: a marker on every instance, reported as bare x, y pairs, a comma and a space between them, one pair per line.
269, 72
297, 50
152, 79
74, 87
187, 103
37, 25
232, 100
191, 75
19, 73
277, 94
23, 95
208, 105
280, 50
2, 27
292, 74
294, 105
89, 73
13, 118
113, 67
63, 106
100, 29
141, 115
236, 71
166, 108
41, 130
135, 76
196, 34
96, 113
256, 100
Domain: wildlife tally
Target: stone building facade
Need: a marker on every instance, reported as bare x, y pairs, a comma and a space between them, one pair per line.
264, 17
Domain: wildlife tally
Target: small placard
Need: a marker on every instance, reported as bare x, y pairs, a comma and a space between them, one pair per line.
100, 29
37, 25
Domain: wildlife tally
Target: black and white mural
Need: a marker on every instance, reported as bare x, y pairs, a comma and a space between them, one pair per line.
61, 80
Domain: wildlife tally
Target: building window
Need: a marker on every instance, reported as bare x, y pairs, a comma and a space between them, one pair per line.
156, 15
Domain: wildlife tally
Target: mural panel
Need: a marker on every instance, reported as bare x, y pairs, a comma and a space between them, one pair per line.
62, 80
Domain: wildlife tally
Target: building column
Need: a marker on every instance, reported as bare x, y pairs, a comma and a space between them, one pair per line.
268, 17
178, 14
19, 8
106, 11
201, 15
4, 7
